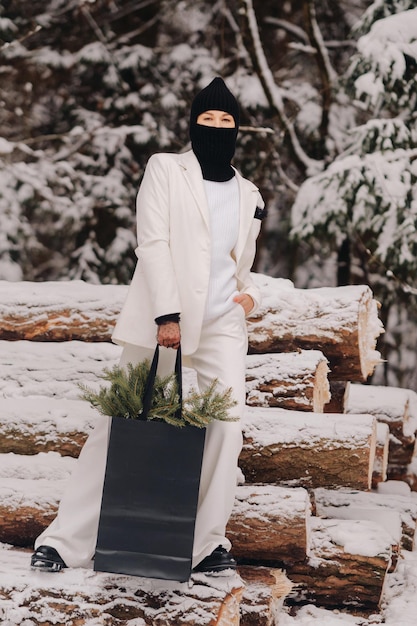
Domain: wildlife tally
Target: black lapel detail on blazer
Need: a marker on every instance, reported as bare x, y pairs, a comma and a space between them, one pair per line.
260, 214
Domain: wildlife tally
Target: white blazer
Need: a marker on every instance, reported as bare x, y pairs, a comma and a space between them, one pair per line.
172, 273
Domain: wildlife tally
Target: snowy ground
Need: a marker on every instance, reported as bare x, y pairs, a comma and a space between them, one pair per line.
23, 375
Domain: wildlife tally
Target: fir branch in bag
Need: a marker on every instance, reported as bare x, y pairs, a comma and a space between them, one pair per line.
123, 398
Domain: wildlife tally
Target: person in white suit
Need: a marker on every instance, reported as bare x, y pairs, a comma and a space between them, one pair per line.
197, 222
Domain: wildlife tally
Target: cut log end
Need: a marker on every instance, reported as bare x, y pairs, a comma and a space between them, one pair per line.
292, 380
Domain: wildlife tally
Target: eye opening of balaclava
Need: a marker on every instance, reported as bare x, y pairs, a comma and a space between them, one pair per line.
214, 147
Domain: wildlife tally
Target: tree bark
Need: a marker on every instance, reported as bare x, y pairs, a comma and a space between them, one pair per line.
27, 507
30, 490
308, 449
269, 523
32, 425
335, 575
293, 380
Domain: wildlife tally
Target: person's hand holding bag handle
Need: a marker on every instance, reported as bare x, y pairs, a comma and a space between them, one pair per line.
150, 382
169, 335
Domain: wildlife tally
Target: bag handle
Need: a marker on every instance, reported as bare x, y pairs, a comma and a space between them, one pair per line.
150, 383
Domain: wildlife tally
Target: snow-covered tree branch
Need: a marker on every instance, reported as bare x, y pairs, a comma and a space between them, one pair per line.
272, 92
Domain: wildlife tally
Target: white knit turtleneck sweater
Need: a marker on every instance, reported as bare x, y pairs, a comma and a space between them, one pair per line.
223, 203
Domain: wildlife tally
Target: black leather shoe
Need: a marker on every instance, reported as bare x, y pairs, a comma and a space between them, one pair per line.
220, 559
47, 559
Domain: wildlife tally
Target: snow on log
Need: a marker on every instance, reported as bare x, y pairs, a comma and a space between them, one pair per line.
390, 405
342, 322
396, 408
53, 369
340, 508
308, 449
82, 597
30, 490
270, 523
292, 380
38, 424
380, 507
59, 310
347, 564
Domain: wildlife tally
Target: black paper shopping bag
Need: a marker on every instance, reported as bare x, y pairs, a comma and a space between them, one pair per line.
150, 498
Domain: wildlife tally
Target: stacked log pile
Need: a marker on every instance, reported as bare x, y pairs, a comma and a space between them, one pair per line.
301, 446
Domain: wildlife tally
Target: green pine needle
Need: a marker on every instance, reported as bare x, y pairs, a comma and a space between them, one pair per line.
122, 397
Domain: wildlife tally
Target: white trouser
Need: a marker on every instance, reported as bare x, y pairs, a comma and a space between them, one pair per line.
221, 354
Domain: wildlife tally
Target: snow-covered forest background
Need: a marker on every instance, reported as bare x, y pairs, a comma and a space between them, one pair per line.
91, 88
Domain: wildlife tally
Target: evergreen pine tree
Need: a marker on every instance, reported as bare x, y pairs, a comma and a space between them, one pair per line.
367, 197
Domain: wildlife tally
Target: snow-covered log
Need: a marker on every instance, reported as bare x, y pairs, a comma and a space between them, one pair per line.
347, 564
38, 424
342, 322
253, 596
390, 405
394, 407
270, 523
382, 508
53, 369
336, 507
30, 490
308, 449
24, 514
292, 380
86, 596
59, 311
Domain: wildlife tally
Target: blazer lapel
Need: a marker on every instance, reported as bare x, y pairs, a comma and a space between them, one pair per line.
248, 194
192, 173
248, 197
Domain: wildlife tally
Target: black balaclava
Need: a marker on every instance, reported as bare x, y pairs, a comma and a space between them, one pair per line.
214, 147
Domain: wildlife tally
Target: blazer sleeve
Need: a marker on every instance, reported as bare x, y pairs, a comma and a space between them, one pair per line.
246, 283
153, 250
